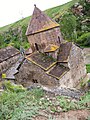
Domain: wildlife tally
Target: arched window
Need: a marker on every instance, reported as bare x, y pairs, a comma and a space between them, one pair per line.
36, 46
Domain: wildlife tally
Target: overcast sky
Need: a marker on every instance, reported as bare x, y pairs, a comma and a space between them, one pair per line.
13, 10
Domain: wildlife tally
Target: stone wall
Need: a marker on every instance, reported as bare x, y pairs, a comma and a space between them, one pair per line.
6, 64
53, 54
76, 65
29, 73
52, 36
66, 80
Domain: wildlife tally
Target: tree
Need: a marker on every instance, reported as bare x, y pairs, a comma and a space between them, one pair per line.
68, 26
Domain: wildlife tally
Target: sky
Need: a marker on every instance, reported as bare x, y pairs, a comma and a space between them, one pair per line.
14, 10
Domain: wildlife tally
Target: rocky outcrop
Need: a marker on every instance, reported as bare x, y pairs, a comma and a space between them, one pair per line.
77, 9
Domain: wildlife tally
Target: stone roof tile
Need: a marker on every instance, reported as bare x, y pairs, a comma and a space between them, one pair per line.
7, 53
40, 22
58, 71
64, 52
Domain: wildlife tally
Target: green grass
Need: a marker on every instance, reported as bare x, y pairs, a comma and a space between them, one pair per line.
52, 12
88, 68
60, 10
10, 35
18, 104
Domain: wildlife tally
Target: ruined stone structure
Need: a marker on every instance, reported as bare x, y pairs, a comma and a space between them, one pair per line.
68, 71
53, 61
8, 56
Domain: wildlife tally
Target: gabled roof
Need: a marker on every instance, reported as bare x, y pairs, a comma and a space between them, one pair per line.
58, 71
42, 60
64, 52
7, 53
51, 48
40, 22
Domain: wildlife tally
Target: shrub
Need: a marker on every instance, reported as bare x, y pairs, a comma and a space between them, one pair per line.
9, 86
84, 40
88, 68
68, 26
16, 103
19, 106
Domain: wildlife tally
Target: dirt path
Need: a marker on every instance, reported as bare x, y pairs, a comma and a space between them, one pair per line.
70, 115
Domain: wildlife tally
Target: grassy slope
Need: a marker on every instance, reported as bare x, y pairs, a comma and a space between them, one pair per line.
17, 104
52, 12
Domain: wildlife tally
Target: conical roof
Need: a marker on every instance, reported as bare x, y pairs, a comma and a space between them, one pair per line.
40, 22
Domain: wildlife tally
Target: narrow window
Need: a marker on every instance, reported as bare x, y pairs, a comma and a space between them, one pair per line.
34, 81
59, 40
36, 46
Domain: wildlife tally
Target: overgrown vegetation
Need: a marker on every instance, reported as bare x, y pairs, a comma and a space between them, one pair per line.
71, 24
68, 26
88, 68
15, 37
18, 104
84, 40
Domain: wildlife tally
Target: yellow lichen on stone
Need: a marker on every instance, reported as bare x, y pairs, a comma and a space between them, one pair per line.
54, 47
52, 25
3, 75
51, 48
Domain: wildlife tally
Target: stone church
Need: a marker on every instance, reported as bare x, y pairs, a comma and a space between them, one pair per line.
53, 61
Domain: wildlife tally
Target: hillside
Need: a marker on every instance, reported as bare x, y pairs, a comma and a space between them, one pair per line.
14, 34
52, 12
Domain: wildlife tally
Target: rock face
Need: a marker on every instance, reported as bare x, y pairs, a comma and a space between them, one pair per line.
77, 65
87, 55
78, 9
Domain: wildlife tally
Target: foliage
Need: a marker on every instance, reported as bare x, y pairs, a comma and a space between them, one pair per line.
84, 100
72, 26
68, 26
88, 68
84, 40
88, 118
86, 6
9, 86
11, 32
65, 104
15, 37
19, 105
24, 105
